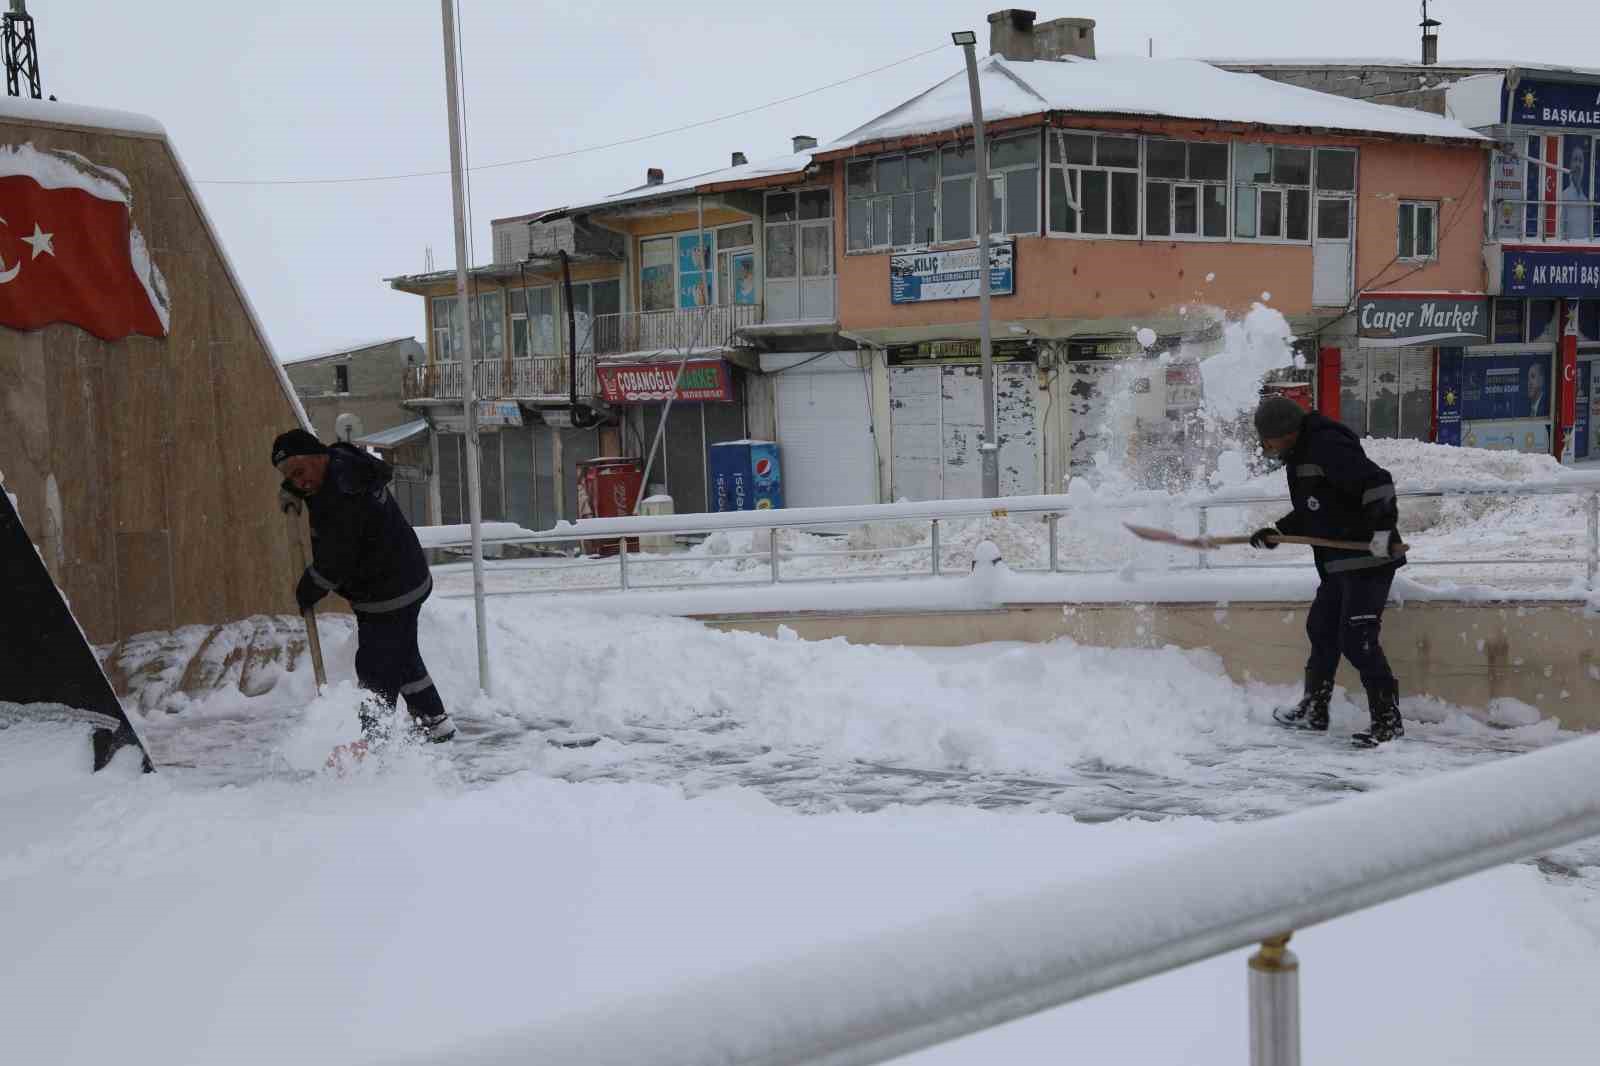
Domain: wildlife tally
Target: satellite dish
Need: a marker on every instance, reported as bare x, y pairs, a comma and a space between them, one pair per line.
347, 427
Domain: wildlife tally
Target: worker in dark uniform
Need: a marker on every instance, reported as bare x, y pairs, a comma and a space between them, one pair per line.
1340, 494
364, 549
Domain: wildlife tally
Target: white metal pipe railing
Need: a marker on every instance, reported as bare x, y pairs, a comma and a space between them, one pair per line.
1051, 510
910, 988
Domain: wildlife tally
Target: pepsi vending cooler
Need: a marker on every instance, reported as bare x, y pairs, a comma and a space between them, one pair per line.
745, 476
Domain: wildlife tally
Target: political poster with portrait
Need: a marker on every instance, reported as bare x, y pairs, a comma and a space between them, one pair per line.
1506, 386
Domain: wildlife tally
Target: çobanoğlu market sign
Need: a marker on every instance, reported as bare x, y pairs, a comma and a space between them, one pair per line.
918, 277
1395, 321
1540, 272
701, 380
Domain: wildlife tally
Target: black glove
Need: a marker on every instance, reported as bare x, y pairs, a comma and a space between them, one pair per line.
308, 593
290, 499
1265, 537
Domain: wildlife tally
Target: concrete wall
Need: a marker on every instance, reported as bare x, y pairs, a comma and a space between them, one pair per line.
1403, 86
376, 378
1546, 655
143, 464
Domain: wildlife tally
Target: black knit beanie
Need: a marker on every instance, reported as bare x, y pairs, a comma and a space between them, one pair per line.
1278, 416
295, 442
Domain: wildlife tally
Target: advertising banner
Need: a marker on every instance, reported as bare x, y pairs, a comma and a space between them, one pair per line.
1532, 438
1449, 395
919, 277
1549, 103
1505, 386
702, 380
1545, 272
1396, 321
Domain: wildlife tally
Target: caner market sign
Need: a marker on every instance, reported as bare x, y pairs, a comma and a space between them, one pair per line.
1395, 321
701, 380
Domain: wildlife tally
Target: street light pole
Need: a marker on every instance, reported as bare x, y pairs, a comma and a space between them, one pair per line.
989, 447
469, 388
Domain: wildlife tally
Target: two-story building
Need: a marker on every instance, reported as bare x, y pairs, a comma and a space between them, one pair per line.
1519, 386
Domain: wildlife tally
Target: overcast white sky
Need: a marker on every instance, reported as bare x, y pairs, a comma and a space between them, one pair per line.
352, 88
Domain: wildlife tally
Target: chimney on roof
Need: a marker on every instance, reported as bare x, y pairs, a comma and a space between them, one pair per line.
802, 143
1014, 34
739, 160
1430, 38
655, 176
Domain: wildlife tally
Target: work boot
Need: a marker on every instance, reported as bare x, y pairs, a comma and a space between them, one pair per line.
1312, 710
435, 728
1387, 725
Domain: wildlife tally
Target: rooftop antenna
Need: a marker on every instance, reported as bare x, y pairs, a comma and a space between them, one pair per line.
22, 51
1430, 38
1150, 47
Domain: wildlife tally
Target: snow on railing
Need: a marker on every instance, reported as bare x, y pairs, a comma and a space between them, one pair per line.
614, 533
913, 987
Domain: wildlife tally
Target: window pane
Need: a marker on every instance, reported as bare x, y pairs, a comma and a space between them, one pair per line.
1165, 159
780, 205
1095, 188
857, 177
1508, 321
1408, 231
1291, 166
1252, 163
922, 218
921, 166
1298, 222
1158, 209
953, 161
902, 220
1014, 151
891, 173
492, 326
955, 209
997, 207
1118, 151
1336, 169
736, 236
519, 301
1271, 213
860, 213
1333, 219
1022, 200
1208, 162
1125, 204
881, 206
816, 251
1063, 219
816, 203
1424, 232
1186, 210
1244, 211
1589, 320
519, 338
1080, 147
606, 297
1215, 209
780, 249
1541, 320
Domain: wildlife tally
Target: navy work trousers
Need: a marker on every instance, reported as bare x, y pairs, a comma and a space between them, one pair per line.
1345, 619
389, 663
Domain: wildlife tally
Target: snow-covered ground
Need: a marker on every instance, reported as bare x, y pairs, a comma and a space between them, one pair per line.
749, 798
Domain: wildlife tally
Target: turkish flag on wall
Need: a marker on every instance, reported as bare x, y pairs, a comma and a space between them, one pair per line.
67, 255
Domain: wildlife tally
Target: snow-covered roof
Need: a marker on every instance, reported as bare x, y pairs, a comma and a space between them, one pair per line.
18, 107
360, 346
766, 168
1395, 61
1172, 88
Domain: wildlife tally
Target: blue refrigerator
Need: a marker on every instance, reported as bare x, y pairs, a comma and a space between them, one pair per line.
745, 476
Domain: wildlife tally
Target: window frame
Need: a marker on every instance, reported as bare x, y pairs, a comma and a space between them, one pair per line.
1279, 188
341, 379
1001, 175
447, 338
1432, 207
1200, 185
1067, 169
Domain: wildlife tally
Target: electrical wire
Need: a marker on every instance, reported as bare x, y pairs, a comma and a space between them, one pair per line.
585, 150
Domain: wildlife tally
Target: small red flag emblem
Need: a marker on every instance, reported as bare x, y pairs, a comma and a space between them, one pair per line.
69, 252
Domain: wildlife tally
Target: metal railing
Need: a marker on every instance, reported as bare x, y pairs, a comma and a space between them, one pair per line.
650, 331
1550, 221
1054, 512
537, 377
942, 978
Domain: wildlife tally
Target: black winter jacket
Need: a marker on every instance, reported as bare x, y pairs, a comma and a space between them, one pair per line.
362, 546
1338, 493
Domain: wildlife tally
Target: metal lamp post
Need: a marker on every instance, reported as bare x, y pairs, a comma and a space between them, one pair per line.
989, 448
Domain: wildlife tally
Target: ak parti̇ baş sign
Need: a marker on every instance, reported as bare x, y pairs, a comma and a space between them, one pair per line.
702, 380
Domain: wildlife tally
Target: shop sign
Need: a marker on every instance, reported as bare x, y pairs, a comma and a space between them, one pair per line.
701, 380
1396, 321
1541, 272
1553, 103
1506, 172
960, 351
499, 413
1512, 385
920, 277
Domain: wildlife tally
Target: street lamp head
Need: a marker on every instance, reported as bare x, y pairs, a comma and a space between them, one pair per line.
965, 38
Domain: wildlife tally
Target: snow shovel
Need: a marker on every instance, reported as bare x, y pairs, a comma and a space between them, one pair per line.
291, 509
1164, 536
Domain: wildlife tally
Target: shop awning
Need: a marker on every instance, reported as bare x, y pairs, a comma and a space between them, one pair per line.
394, 436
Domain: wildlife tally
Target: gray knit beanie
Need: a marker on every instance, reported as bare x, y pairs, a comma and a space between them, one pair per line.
1278, 416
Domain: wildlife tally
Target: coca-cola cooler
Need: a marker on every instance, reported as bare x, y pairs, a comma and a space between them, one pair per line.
607, 488
745, 476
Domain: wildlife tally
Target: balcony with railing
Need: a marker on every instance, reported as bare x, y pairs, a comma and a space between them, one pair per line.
535, 378
667, 331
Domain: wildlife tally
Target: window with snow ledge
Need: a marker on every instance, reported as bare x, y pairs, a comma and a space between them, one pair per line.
1418, 230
